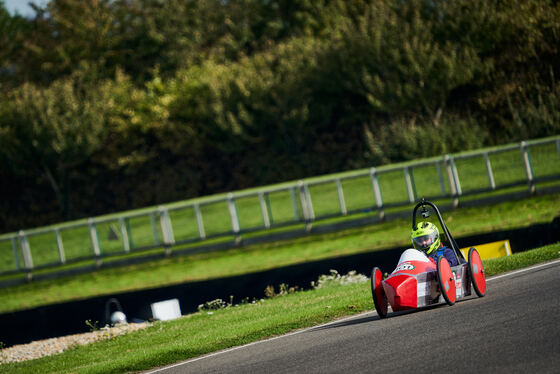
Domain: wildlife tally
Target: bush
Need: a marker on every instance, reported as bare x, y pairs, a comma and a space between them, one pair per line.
334, 278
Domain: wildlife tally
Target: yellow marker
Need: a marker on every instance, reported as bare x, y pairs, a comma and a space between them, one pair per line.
490, 250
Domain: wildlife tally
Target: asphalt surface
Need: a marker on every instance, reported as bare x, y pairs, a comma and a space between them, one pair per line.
514, 328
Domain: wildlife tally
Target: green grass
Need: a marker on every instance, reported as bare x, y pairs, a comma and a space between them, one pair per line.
204, 332
282, 206
521, 260
243, 260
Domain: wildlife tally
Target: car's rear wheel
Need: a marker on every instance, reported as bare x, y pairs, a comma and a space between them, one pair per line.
446, 280
476, 270
377, 293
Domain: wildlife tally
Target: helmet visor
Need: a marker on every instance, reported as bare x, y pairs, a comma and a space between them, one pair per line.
424, 242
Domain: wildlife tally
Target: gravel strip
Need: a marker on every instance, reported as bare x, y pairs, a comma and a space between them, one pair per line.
47, 347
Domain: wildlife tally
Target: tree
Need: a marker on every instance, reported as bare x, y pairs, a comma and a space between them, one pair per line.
12, 37
53, 131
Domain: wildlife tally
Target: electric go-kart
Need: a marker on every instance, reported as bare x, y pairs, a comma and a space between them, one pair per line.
418, 281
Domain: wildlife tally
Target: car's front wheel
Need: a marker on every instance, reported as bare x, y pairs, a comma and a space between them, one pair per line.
377, 293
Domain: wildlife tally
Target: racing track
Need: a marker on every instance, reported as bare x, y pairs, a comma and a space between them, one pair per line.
514, 328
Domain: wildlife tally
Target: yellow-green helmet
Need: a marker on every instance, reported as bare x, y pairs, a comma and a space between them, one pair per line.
425, 237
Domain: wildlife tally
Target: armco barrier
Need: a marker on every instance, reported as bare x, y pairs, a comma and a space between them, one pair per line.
344, 196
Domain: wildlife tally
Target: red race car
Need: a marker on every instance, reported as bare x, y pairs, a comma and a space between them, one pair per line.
419, 281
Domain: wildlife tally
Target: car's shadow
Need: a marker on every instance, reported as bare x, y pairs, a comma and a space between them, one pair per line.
372, 318
354, 321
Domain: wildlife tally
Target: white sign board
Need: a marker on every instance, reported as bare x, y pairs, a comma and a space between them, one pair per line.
166, 310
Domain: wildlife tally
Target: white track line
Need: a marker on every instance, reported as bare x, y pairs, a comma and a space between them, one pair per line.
258, 342
326, 324
523, 270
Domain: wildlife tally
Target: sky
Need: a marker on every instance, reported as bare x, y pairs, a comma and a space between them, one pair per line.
22, 6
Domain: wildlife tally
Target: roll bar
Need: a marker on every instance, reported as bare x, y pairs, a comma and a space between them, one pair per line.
425, 213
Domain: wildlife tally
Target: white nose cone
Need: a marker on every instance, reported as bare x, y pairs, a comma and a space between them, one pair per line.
117, 318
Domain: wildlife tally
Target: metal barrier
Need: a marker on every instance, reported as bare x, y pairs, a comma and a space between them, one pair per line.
366, 192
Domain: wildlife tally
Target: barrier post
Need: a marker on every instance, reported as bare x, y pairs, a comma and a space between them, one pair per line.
15, 250
306, 209
456, 177
264, 210
294, 203
489, 171
309, 201
129, 232
60, 246
26, 251
451, 178
341, 200
236, 227
268, 208
199, 222
409, 186
377, 192
528, 167
154, 228
94, 241
124, 235
166, 230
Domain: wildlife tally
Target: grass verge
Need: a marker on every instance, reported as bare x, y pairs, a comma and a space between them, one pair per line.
522, 259
243, 260
209, 331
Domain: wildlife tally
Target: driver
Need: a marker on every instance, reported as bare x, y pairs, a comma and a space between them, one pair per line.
425, 238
